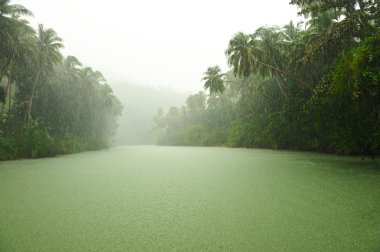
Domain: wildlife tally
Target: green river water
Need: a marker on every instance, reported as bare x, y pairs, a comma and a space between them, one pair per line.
149, 198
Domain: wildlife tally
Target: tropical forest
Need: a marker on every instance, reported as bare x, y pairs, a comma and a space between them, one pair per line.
199, 125
311, 86
50, 104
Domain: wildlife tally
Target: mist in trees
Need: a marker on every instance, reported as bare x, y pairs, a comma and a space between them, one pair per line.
136, 125
313, 85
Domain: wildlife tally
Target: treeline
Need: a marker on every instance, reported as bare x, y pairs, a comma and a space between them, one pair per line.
49, 104
311, 86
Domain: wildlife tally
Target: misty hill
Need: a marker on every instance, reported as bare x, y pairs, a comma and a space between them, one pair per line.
140, 104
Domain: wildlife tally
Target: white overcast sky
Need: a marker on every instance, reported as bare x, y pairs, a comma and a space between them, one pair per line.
166, 43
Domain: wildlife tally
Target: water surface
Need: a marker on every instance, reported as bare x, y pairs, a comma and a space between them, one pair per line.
150, 198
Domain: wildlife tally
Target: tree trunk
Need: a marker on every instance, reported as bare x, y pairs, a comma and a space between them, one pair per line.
281, 88
29, 102
5, 103
2, 74
9, 95
283, 72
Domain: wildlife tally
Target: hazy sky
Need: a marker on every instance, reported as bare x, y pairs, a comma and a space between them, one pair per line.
164, 43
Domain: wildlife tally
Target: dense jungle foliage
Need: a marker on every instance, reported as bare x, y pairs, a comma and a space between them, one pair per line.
49, 104
310, 86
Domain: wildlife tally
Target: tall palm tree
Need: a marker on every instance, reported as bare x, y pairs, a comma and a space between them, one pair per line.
239, 54
47, 54
90, 82
10, 23
214, 80
72, 64
9, 18
245, 54
7, 10
270, 42
16, 43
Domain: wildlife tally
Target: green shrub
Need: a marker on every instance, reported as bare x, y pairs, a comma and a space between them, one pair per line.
8, 149
37, 142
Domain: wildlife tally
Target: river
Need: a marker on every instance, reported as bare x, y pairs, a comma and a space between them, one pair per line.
150, 198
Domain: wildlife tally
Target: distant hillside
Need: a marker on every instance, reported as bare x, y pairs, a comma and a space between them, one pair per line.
140, 104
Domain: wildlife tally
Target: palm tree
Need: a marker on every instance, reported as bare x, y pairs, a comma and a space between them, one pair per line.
72, 64
239, 54
245, 54
16, 43
214, 80
9, 24
87, 111
48, 54
10, 32
270, 43
7, 10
